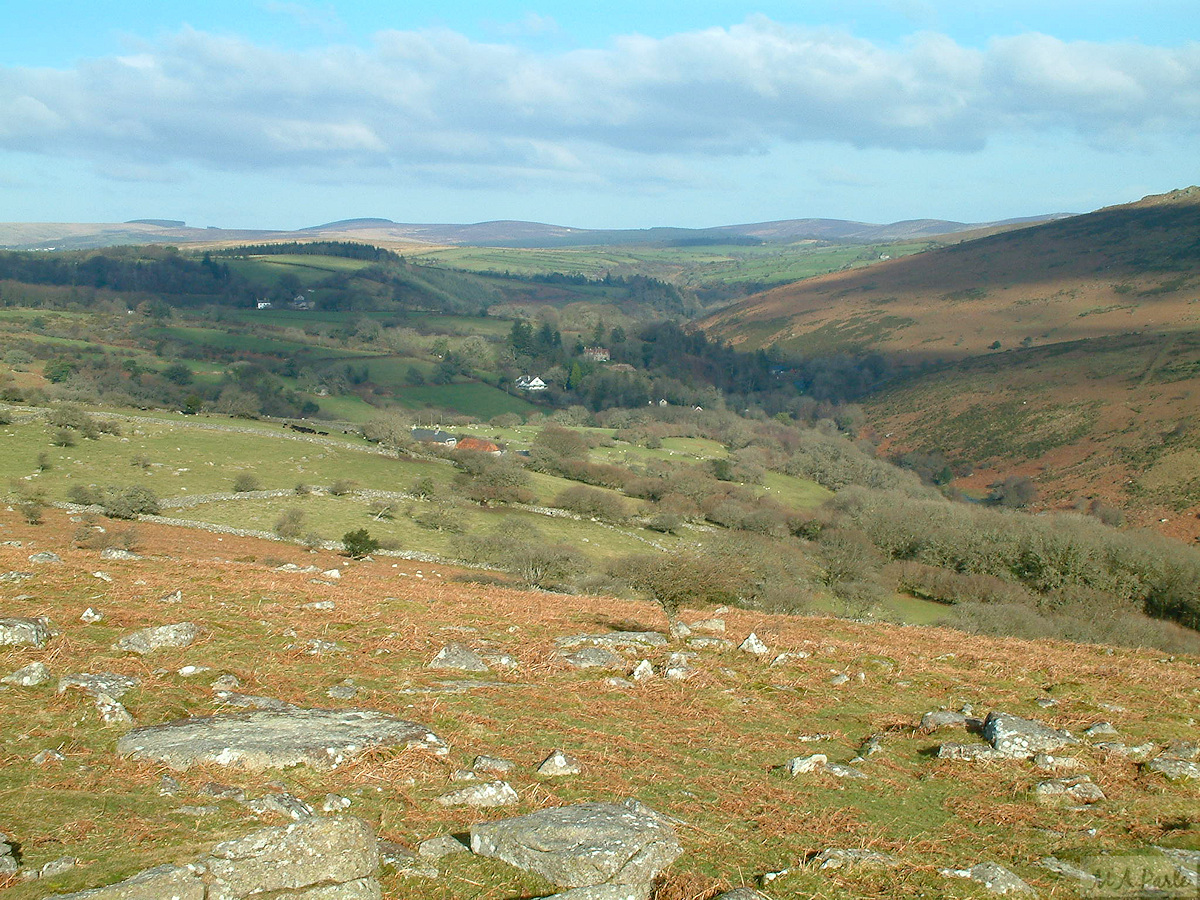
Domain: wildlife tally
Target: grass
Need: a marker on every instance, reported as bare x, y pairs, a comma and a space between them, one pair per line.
707, 751
474, 398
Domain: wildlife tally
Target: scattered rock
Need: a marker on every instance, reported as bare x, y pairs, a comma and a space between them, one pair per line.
115, 686
103, 576
268, 739
317, 647
404, 861
1182, 750
332, 574
942, 718
601, 892
559, 764
320, 605
995, 878
584, 845
1018, 738
168, 786
802, 765
335, 803
250, 701
227, 683
147, 640
24, 631
91, 616
28, 676
1047, 763
492, 765
1101, 729
58, 867
117, 553
459, 658
189, 671
834, 858
336, 857
1077, 789
972, 752
45, 757
752, 644
709, 626
347, 690
593, 658
709, 643
614, 640
111, 710
784, 658
870, 747
839, 680
15, 576
442, 845
483, 795
679, 667
742, 893
1186, 862
222, 791
174, 597
643, 671
500, 660
1067, 870
45, 557
1137, 753
840, 771
1174, 769
282, 804
8, 859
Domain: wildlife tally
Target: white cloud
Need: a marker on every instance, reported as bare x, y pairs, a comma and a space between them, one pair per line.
435, 101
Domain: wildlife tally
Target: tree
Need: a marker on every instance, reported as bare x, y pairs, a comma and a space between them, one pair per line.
674, 579
1015, 492
359, 543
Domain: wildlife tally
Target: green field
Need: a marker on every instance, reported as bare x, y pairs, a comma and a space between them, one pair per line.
472, 398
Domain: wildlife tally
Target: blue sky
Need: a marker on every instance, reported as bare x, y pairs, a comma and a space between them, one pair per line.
279, 114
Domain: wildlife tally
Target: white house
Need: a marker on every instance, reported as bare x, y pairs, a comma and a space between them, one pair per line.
530, 383
264, 304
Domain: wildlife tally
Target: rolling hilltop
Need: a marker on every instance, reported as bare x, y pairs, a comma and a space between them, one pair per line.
386, 233
1068, 352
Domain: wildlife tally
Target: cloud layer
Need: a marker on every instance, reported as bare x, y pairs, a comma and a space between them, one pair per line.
437, 101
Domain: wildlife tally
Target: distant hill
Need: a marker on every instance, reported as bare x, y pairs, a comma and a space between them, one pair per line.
1068, 352
503, 233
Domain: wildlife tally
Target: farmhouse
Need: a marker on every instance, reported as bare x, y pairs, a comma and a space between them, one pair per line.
435, 436
530, 383
596, 354
479, 445
264, 304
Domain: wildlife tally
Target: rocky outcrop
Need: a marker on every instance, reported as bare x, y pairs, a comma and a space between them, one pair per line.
591, 844
20, 631
318, 859
274, 739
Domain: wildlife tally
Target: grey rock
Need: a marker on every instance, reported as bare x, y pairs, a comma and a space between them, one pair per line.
559, 764
45, 557
709, 626
317, 647
160, 883
840, 771
24, 631
459, 658
43, 757
1077, 789
804, 765
784, 658
117, 553
836, 858
91, 616
1137, 753
1174, 769
1182, 750
111, 710
31, 675
603, 892
250, 701
679, 631
709, 643
15, 576
316, 851
1101, 729
8, 861
1186, 862
753, 644
839, 679
1047, 763
870, 746
1067, 870
614, 640
196, 811
58, 867
643, 671
115, 686
995, 878
583, 845
174, 597
226, 682
222, 791
189, 670
320, 605
168, 786
483, 795
1019, 738
103, 576
618, 682
742, 893
442, 845
282, 804
942, 718
492, 764
593, 658
972, 752
500, 660
404, 861
267, 739
359, 889
335, 803
347, 690
147, 640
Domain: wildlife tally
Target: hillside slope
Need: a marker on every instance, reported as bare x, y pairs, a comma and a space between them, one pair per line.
1068, 352
711, 750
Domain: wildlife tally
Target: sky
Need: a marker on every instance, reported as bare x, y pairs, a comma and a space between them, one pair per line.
279, 114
